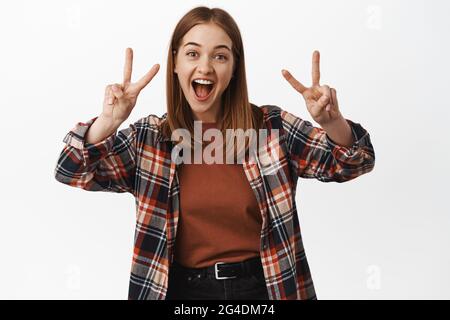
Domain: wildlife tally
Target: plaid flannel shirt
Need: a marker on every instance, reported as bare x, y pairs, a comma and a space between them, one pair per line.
138, 160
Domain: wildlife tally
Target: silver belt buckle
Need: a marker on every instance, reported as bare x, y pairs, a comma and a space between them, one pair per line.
217, 272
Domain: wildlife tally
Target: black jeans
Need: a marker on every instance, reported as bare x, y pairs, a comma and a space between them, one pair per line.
188, 286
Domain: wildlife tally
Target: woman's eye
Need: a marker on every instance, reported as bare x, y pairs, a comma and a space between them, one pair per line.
223, 57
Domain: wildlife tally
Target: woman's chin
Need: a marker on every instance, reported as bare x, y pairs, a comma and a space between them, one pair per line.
201, 109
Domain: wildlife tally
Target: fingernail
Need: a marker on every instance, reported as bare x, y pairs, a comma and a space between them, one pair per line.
113, 88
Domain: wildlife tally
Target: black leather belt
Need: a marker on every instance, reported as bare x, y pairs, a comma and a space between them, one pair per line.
223, 270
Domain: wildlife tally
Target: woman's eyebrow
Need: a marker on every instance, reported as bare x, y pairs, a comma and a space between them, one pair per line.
216, 47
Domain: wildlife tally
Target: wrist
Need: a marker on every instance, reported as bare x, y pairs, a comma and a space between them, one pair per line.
339, 122
108, 122
340, 132
100, 129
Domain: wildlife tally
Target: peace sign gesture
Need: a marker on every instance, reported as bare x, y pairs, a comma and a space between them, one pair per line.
321, 101
120, 99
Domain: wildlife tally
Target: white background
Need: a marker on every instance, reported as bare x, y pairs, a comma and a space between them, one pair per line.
384, 235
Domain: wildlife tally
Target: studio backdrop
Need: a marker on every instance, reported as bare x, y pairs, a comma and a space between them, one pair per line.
383, 235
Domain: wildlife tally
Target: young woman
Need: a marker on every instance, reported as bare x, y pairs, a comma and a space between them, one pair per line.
220, 230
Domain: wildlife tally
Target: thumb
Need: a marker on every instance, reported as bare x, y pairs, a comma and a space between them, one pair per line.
117, 90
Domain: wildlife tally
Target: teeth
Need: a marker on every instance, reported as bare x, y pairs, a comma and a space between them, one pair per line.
201, 81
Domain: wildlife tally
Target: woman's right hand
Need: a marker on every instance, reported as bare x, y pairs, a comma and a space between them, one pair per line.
120, 99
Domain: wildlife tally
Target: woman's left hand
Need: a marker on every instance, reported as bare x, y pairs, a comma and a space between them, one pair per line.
321, 100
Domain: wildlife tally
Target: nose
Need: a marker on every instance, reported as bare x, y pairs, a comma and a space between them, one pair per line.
204, 65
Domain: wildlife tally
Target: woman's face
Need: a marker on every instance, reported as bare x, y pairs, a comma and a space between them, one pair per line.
205, 53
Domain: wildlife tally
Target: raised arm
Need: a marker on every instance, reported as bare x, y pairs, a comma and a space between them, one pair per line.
96, 157
339, 150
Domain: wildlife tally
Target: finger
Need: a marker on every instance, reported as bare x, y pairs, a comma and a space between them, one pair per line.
128, 66
324, 90
148, 77
325, 98
334, 97
331, 104
317, 107
316, 68
294, 82
109, 98
323, 101
314, 93
117, 90
107, 91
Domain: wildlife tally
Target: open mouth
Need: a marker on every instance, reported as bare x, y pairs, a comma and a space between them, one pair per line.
202, 91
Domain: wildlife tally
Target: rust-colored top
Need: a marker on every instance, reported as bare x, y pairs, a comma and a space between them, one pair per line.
219, 216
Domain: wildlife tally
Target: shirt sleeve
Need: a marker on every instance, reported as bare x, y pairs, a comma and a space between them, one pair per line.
314, 155
108, 165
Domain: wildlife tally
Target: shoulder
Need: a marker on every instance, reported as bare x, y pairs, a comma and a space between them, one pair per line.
277, 116
274, 112
149, 127
270, 111
151, 120
288, 120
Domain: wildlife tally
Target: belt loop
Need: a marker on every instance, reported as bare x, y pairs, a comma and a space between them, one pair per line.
245, 265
